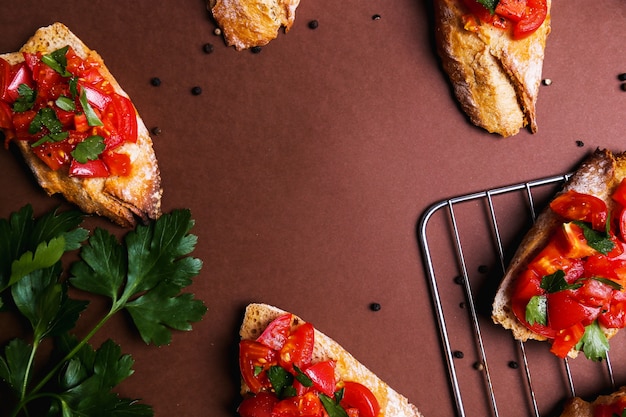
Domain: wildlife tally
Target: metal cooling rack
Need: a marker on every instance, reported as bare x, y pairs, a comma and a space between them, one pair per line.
487, 202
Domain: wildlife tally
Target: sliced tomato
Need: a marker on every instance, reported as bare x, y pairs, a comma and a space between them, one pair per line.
566, 339
19, 74
615, 316
96, 97
594, 293
259, 405
298, 350
573, 205
575, 243
535, 15
90, 169
21, 122
356, 395
254, 360
565, 311
323, 376
54, 154
276, 333
620, 219
511, 9
118, 164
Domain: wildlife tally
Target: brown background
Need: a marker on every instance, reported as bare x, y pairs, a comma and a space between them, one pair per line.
307, 167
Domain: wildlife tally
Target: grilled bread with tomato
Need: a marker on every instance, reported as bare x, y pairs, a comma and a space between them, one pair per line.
566, 281
249, 23
494, 59
605, 405
321, 375
77, 129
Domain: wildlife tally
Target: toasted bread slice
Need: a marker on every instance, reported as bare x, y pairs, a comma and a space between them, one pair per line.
598, 175
249, 23
258, 316
123, 199
495, 78
577, 407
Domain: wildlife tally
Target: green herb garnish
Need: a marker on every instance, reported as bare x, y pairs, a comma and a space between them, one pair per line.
25, 100
332, 406
556, 282
282, 381
594, 343
489, 4
537, 310
144, 275
92, 117
89, 149
46, 118
57, 61
65, 103
597, 240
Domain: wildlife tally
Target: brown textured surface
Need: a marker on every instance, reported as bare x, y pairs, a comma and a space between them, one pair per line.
308, 165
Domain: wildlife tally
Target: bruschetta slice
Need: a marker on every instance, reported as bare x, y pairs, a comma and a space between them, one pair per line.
77, 129
287, 364
566, 281
493, 52
604, 406
252, 23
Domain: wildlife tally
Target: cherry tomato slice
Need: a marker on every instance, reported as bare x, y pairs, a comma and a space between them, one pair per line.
566, 339
564, 311
619, 194
254, 360
356, 395
54, 154
511, 9
118, 164
298, 350
259, 405
573, 205
535, 15
276, 333
615, 317
323, 376
90, 169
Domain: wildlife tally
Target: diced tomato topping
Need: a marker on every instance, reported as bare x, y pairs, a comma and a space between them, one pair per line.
254, 360
118, 164
259, 405
523, 16
359, 396
298, 349
533, 18
90, 169
511, 9
567, 339
323, 376
276, 333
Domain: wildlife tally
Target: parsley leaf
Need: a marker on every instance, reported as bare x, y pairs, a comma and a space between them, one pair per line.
25, 100
282, 381
594, 342
65, 103
57, 61
537, 310
489, 4
598, 241
332, 406
89, 149
46, 118
556, 282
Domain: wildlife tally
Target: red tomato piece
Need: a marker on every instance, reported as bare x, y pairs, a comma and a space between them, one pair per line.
619, 194
594, 293
276, 333
90, 169
478, 10
565, 311
5, 79
21, 121
575, 244
356, 395
118, 164
259, 405
535, 15
573, 205
323, 376
96, 97
511, 9
615, 317
54, 154
298, 350
20, 74
566, 339
254, 360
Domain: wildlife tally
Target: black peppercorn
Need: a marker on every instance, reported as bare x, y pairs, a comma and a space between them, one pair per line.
313, 24
155, 81
483, 269
156, 130
256, 49
458, 354
580, 143
375, 307
196, 91
622, 76
458, 280
207, 48
623, 87
376, 17
513, 365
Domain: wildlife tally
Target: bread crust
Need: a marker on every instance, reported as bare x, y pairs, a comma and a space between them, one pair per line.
577, 407
495, 78
121, 199
392, 404
249, 23
598, 175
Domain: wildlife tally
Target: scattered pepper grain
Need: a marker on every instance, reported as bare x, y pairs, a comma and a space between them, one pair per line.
313, 24
458, 280
580, 143
156, 130
207, 48
513, 365
376, 17
196, 91
375, 306
622, 76
483, 269
623, 87
256, 49
478, 366
155, 81
458, 354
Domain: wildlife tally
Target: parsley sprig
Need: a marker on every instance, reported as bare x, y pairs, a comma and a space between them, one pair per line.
144, 275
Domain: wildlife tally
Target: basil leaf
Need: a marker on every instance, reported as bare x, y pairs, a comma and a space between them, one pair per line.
92, 117
594, 342
26, 98
599, 241
489, 4
609, 282
65, 103
57, 61
332, 407
537, 310
302, 377
280, 380
89, 149
73, 83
